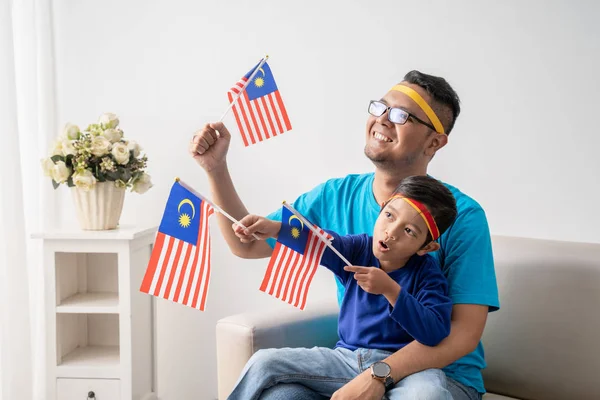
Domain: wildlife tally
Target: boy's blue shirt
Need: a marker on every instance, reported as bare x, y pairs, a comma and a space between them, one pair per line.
368, 321
348, 206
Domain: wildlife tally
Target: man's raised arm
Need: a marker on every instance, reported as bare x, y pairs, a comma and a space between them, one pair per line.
209, 148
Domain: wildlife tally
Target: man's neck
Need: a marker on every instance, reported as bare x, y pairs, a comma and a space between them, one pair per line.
385, 182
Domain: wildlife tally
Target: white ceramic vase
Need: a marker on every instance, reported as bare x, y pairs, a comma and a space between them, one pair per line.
100, 208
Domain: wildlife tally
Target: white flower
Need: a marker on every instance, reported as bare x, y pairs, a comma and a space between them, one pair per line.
142, 184
108, 121
113, 135
84, 180
47, 166
120, 153
68, 148
100, 146
107, 165
134, 146
57, 148
60, 172
71, 132
95, 130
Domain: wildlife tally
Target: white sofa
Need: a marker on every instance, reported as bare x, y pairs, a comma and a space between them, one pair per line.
543, 343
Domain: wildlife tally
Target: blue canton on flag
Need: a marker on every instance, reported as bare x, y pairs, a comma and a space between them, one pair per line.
180, 217
264, 83
293, 233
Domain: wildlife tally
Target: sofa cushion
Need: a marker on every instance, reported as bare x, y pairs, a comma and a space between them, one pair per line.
492, 396
544, 342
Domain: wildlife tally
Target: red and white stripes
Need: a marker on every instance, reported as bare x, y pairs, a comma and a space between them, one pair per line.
261, 118
289, 274
179, 271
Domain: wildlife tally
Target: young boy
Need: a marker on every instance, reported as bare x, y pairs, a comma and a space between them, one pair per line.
395, 293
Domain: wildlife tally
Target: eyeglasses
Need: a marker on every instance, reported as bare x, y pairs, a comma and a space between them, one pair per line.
395, 115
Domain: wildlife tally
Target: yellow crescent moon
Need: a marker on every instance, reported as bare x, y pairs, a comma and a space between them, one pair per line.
187, 201
262, 70
292, 217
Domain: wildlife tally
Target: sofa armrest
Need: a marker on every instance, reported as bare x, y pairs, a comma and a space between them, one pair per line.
239, 336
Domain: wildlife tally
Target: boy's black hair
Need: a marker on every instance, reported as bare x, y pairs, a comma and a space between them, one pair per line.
440, 90
434, 195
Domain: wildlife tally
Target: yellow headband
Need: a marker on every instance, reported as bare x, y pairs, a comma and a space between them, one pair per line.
423, 104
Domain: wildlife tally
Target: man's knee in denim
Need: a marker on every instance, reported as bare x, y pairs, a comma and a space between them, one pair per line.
264, 361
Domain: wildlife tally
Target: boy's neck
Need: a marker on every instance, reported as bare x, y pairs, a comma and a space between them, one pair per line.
386, 182
391, 266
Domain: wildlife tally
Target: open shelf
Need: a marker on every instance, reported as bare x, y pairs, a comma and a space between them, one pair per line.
90, 303
87, 283
87, 345
90, 362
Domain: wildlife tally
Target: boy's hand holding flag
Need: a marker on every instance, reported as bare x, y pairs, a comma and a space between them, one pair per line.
296, 255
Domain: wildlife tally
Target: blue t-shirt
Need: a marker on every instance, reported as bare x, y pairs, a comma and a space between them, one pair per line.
348, 206
421, 312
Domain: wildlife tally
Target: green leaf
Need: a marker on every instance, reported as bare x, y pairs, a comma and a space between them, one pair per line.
125, 175
57, 158
55, 184
70, 182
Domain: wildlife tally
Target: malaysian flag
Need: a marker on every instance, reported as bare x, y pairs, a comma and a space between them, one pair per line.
294, 261
179, 267
259, 112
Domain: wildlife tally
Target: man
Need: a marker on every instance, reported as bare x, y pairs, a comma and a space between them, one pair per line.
404, 131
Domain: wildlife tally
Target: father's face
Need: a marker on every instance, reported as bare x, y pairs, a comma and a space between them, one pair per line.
393, 145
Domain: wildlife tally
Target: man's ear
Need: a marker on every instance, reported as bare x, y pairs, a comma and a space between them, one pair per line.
437, 142
428, 248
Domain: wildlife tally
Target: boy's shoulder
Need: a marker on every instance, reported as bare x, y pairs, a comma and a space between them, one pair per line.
425, 265
359, 241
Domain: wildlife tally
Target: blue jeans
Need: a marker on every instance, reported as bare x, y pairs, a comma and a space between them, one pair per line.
318, 372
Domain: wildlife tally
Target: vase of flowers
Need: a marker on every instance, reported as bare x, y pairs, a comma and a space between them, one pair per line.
98, 164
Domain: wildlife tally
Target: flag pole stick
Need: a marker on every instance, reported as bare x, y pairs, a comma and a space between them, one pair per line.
216, 207
237, 96
316, 232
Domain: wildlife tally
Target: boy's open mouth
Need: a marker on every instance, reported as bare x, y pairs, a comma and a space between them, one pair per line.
383, 246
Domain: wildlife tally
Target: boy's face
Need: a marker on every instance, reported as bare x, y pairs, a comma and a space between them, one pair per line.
399, 232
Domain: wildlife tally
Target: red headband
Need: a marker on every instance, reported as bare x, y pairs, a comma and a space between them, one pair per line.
424, 212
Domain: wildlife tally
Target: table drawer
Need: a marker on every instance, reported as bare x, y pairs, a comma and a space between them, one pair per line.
88, 389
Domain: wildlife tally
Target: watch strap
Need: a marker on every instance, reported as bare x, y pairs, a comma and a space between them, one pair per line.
389, 383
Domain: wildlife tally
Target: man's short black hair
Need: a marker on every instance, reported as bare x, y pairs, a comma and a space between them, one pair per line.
434, 195
441, 92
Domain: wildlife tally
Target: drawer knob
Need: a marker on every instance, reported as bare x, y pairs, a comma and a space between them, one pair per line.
91, 395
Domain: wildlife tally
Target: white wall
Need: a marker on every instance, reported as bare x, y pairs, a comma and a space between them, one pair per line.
524, 146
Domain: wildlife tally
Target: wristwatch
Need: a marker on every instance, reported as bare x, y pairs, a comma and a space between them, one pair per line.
381, 371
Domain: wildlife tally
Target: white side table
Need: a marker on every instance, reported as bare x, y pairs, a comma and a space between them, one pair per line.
99, 341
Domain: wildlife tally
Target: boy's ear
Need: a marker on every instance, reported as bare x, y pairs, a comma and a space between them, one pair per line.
431, 246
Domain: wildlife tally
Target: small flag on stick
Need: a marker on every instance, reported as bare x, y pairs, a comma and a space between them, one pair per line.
179, 267
295, 260
259, 112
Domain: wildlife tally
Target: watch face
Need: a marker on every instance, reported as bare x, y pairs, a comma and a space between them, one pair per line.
381, 369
